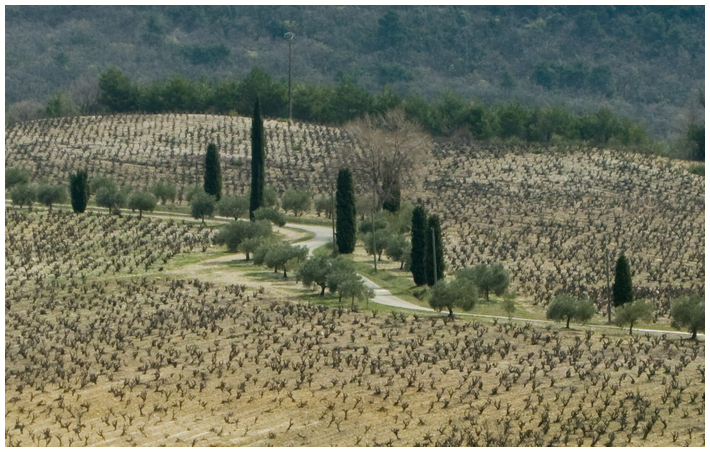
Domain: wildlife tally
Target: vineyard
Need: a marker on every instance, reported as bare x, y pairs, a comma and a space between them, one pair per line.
98, 354
548, 215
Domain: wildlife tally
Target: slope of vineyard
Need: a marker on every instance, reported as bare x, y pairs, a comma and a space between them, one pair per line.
548, 215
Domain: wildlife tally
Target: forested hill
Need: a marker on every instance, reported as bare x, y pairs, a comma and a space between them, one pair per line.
646, 63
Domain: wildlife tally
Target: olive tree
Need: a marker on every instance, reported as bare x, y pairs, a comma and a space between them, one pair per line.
142, 200
459, 293
111, 197
51, 194
23, 195
298, 201
202, 205
688, 312
273, 215
164, 190
279, 255
244, 235
632, 312
566, 307
16, 176
233, 206
488, 278
398, 249
316, 270
352, 286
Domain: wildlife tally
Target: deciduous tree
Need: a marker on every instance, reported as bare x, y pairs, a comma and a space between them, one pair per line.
388, 154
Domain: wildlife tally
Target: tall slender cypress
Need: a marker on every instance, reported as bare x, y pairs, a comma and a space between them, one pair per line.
345, 210
622, 290
416, 265
213, 172
433, 250
257, 161
79, 189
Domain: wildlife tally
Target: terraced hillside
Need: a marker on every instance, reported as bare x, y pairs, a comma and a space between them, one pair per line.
548, 215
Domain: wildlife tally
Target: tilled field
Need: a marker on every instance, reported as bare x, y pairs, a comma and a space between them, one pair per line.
136, 360
549, 215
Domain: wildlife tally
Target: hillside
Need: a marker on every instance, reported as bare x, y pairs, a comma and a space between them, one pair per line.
548, 214
643, 62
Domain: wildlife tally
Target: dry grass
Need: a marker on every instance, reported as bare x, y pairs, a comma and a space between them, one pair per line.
547, 214
178, 361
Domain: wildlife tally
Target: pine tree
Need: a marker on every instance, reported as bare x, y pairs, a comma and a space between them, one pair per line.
79, 188
213, 173
257, 161
622, 288
418, 244
345, 212
435, 225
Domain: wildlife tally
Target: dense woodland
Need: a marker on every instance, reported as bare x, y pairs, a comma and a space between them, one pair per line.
645, 63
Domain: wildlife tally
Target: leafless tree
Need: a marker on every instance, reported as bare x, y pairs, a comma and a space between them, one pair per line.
85, 94
387, 152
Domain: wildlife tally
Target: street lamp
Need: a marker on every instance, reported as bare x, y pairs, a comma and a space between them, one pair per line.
289, 36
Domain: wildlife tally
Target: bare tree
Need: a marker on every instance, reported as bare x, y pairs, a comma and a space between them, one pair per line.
387, 153
85, 93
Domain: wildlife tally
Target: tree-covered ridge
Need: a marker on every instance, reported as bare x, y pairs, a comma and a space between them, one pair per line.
348, 100
644, 62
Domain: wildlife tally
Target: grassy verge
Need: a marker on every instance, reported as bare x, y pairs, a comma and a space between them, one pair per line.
307, 235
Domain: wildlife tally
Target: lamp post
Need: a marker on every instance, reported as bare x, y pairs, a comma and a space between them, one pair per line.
289, 36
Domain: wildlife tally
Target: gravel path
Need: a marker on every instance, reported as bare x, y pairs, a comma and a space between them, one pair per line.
324, 235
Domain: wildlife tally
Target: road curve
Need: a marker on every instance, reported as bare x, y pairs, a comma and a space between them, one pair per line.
324, 235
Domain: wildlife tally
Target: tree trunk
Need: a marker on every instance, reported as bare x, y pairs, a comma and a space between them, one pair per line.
322, 292
247, 253
140, 214
630, 328
285, 272
568, 319
451, 312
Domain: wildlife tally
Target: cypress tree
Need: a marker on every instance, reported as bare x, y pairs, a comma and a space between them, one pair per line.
393, 196
257, 161
435, 225
79, 189
418, 244
213, 173
345, 212
622, 289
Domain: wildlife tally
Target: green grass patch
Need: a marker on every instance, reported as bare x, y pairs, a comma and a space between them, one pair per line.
308, 235
697, 169
314, 221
